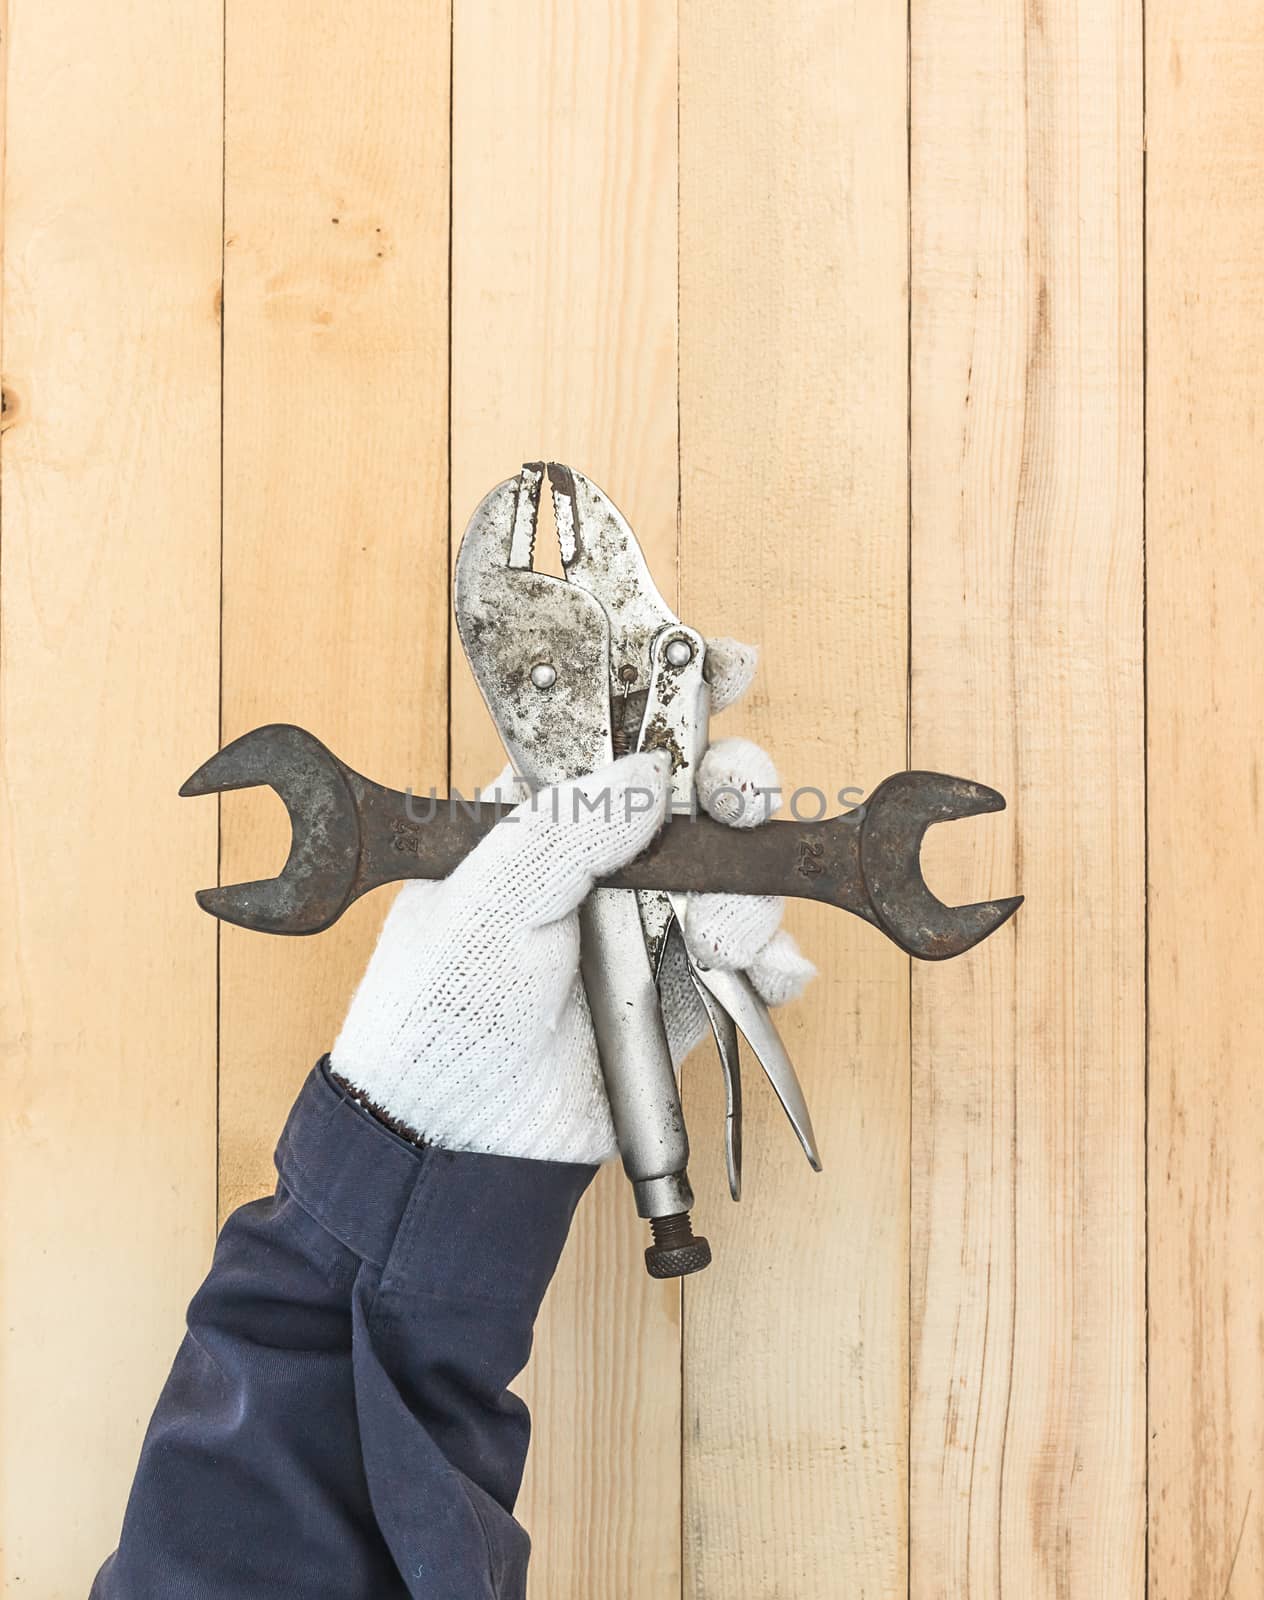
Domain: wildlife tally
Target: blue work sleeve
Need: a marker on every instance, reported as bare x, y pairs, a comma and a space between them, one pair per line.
337, 1421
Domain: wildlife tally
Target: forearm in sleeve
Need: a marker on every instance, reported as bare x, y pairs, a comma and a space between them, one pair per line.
338, 1421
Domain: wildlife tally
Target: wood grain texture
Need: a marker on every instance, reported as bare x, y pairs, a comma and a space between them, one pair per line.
931, 1385
1028, 1404
564, 346
108, 680
1205, 290
793, 238
335, 475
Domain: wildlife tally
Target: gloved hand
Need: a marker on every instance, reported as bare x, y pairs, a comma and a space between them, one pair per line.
470, 1027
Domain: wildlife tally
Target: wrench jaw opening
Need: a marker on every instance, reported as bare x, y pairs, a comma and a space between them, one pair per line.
317, 881
896, 820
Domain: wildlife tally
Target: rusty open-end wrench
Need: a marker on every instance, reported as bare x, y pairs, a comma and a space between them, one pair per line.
350, 835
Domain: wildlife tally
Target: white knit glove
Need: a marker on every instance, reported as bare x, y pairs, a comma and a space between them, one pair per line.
470, 1027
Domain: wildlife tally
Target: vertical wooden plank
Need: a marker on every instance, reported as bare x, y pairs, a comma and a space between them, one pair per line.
793, 231
1205, 286
335, 473
1028, 1455
563, 345
109, 471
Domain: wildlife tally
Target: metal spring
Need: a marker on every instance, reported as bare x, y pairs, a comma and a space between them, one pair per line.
620, 738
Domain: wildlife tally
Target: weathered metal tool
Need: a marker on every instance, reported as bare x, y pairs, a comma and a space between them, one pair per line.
576, 671
350, 835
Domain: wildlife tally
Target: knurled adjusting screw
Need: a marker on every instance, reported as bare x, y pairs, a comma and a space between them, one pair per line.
676, 1251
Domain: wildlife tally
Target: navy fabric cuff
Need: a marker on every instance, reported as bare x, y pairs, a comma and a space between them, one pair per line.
455, 1224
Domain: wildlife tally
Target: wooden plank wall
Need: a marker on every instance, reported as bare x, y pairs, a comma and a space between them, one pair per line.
907, 361
564, 346
1027, 1273
793, 397
109, 620
335, 474
1205, 569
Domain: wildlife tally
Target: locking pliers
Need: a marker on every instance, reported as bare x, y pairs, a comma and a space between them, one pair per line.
576, 671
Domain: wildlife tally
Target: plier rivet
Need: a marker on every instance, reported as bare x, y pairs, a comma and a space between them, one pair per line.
679, 653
